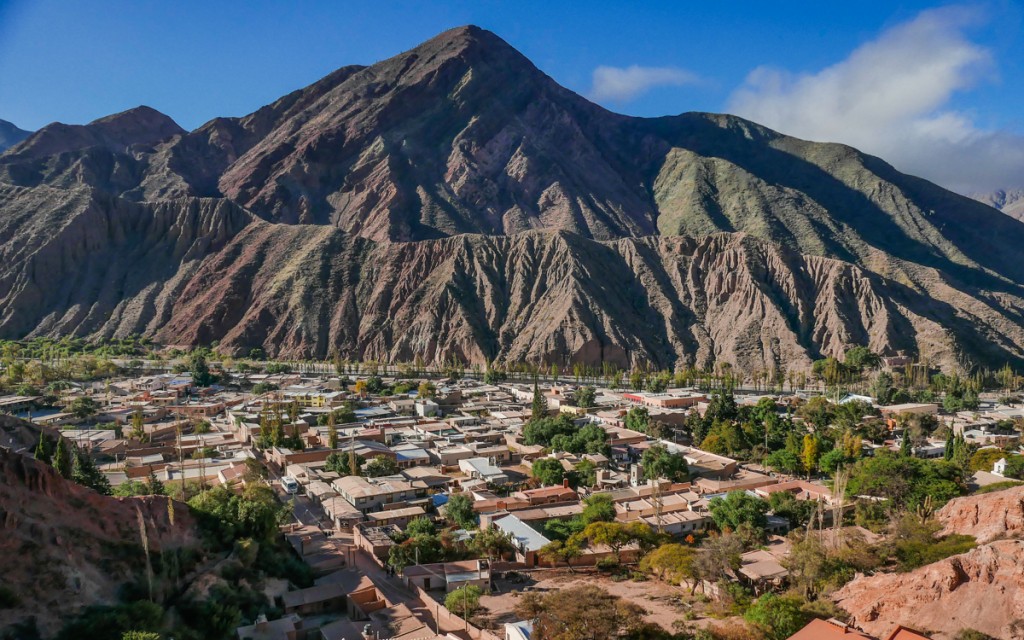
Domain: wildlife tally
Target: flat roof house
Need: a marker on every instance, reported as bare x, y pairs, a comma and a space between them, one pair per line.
483, 469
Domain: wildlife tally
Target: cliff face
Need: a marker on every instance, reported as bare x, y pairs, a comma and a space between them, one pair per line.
503, 207
982, 589
66, 547
987, 517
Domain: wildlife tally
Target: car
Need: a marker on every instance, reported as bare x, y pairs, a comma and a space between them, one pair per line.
290, 484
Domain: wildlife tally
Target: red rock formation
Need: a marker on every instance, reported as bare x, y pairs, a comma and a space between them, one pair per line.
65, 547
987, 517
982, 589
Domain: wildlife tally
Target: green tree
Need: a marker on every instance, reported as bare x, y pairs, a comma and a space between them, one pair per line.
784, 461
153, 484
860, 358
739, 508
561, 551
610, 534
421, 526
548, 471
83, 408
539, 406
85, 473
201, 376
638, 419
785, 505
597, 507
585, 397
586, 473
673, 563
44, 449
817, 411
657, 463
380, 466
491, 543
426, 390
138, 431
905, 481
778, 616
459, 510
833, 460
463, 601
62, 459
542, 431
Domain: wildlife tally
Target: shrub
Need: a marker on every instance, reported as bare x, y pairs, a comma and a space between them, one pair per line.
607, 564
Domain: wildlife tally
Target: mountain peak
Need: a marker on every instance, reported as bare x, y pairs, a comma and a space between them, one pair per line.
470, 42
139, 125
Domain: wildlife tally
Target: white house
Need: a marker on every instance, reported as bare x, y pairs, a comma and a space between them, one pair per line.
999, 468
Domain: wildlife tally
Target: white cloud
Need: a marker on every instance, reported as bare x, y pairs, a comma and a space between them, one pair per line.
618, 84
891, 97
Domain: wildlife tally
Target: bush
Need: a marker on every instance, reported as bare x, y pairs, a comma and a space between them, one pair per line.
464, 601
917, 553
998, 486
607, 564
114, 622
779, 616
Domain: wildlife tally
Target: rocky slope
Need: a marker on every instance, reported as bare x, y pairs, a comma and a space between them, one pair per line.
987, 517
1009, 201
11, 135
982, 589
66, 547
502, 207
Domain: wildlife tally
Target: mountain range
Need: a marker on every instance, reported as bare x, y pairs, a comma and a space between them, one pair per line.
1009, 201
455, 201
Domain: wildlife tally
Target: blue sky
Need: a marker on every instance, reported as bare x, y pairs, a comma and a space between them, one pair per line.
921, 84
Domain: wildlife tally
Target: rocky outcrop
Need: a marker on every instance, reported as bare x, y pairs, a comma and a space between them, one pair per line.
66, 547
982, 589
987, 517
456, 201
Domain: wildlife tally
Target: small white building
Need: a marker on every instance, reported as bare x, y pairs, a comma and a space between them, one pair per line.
427, 408
999, 468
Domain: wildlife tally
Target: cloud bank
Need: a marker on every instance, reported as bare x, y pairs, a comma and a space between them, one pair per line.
890, 98
622, 84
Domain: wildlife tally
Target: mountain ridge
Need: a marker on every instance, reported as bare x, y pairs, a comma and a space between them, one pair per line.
11, 135
463, 157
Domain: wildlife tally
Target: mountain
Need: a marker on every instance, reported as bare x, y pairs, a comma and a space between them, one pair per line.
10, 135
455, 200
1009, 201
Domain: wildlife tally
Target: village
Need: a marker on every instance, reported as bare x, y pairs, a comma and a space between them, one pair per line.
429, 506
